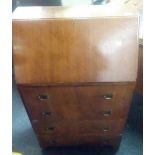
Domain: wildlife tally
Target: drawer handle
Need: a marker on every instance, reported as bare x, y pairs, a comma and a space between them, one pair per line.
43, 97
46, 114
107, 113
50, 128
105, 129
108, 96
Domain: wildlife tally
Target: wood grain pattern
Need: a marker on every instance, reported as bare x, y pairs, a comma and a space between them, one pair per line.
77, 103
79, 50
108, 128
75, 113
75, 72
84, 140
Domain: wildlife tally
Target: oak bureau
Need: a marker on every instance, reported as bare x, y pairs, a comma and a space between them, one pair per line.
75, 69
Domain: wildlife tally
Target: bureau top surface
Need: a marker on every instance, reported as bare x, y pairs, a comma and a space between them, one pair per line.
64, 12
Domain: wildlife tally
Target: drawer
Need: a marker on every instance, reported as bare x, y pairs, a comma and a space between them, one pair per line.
108, 102
77, 103
87, 140
60, 102
70, 128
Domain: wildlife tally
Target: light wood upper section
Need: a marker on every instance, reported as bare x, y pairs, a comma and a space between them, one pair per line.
55, 12
75, 50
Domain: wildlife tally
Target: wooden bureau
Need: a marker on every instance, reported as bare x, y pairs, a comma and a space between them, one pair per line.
75, 69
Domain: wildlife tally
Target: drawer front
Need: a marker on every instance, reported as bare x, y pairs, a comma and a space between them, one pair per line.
87, 139
108, 102
60, 103
70, 128
77, 103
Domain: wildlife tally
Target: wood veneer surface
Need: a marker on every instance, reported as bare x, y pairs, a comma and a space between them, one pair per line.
78, 50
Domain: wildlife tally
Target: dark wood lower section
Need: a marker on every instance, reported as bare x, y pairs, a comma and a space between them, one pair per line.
84, 140
76, 114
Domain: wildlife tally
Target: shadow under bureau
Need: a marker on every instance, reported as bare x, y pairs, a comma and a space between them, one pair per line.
75, 72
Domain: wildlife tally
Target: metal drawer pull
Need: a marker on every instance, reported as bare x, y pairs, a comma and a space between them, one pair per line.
46, 114
107, 113
108, 96
43, 97
105, 129
50, 128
